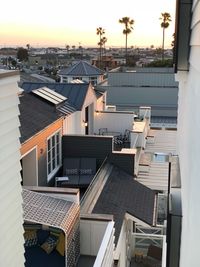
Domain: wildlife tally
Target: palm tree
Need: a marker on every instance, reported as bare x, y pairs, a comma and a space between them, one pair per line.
166, 18
100, 32
127, 30
104, 40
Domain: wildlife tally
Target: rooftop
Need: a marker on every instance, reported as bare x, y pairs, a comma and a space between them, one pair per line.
75, 93
81, 68
122, 194
35, 115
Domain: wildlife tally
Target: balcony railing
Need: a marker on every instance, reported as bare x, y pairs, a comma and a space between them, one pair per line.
149, 247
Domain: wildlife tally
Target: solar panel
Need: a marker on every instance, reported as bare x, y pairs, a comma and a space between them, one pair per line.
54, 93
49, 95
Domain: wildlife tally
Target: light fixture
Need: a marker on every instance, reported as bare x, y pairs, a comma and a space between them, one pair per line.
85, 123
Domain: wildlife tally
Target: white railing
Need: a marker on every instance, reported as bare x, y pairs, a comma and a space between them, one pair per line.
105, 254
141, 242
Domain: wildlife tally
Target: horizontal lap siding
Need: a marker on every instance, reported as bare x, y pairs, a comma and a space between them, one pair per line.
11, 230
189, 127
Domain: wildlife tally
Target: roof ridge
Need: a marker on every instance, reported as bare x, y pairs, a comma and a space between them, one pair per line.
84, 63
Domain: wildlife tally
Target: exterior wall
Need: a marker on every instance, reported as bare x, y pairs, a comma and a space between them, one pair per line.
101, 101
105, 254
92, 233
154, 87
11, 230
120, 252
40, 141
188, 147
143, 77
72, 124
113, 121
87, 146
162, 100
69, 79
90, 101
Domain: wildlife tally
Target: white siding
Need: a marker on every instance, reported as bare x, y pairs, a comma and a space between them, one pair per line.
91, 236
11, 230
188, 146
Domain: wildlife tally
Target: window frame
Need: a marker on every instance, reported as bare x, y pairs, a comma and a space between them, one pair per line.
55, 154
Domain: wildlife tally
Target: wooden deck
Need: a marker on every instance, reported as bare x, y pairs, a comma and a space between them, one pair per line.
155, 174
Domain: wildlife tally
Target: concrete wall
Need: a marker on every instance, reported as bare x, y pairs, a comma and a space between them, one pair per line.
188, 146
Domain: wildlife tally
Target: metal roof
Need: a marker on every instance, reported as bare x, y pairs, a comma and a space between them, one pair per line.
81, 68
66, 109
49, 95
74, 92
47, 210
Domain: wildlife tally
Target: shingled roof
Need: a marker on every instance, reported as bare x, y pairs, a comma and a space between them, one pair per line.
35, 115
81, 68
122, 194
75, 93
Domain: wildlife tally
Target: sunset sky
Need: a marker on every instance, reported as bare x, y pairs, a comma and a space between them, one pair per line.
61, 22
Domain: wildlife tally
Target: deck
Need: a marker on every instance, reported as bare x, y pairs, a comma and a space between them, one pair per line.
151, 172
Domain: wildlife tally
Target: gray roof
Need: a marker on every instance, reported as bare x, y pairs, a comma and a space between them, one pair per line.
122, 194
81, 68
74, 92
66, 109
35, 115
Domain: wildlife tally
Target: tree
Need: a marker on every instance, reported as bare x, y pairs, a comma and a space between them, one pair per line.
100, 32
22, 54
127, 30
166, 18
104, 40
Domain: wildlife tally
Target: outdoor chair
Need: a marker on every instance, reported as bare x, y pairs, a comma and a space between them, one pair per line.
154, 257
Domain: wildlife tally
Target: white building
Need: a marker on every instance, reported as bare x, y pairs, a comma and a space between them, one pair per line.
82, 70
188, 75
11, 230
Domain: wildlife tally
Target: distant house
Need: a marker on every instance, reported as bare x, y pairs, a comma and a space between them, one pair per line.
107, 62
82, 70
155, 87
81, 102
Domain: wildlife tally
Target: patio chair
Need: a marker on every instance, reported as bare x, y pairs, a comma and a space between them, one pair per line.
102, 131
126, 137
154, 257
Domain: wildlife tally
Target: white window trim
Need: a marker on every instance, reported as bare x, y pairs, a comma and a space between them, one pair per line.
50, 175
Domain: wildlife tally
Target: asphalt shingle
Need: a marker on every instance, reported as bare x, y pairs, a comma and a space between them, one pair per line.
35, 115
122, 194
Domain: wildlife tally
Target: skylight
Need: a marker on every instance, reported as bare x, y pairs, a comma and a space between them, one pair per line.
49, 95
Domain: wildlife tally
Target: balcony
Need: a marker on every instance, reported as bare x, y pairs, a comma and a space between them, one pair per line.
148, 247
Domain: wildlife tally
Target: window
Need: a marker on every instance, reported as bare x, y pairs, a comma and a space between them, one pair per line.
53, 154
93, 80
65, 79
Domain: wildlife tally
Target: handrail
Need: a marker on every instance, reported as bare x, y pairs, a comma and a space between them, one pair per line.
91, 185
105, 245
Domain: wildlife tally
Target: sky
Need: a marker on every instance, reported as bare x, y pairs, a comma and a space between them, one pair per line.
67, 22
